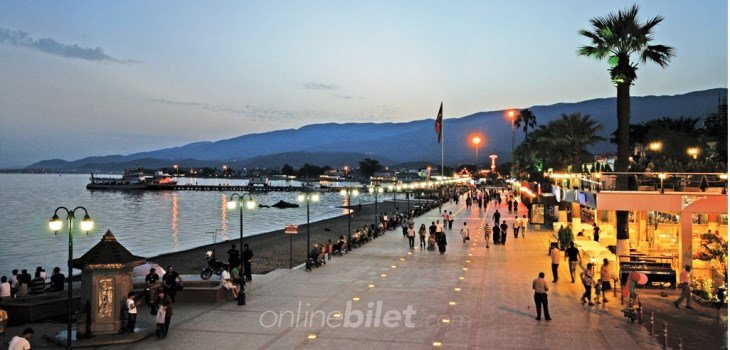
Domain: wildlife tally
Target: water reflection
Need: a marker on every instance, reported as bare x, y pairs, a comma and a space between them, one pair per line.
175, 230
224, 217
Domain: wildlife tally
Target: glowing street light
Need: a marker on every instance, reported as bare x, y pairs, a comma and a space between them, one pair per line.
494, 160
347, 192
655, 146
56, 224
176, 170
693, 152
476, 140
308, 197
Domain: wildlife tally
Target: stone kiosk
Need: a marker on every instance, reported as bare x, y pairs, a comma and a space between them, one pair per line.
106, 280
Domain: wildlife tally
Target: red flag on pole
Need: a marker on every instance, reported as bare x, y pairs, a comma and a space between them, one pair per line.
439, 122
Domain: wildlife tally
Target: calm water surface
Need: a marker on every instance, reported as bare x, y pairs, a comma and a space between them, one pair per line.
147, 223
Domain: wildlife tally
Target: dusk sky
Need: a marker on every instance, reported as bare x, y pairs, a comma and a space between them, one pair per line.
83, 78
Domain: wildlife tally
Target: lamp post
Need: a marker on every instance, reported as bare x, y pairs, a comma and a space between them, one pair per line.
375, 189
346, 192
511, 115
236, 200
56, 224
476, 140
177, 174
308, 197
662, 176
655, 146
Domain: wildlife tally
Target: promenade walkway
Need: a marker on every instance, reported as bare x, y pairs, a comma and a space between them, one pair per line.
384, 296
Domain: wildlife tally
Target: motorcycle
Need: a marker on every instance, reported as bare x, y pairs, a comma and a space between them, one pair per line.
214, 266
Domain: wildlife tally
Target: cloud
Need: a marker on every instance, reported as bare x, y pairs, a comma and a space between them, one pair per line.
53, 47
342, 97
317, 86
248, 111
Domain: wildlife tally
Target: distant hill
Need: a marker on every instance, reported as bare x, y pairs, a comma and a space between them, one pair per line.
404, 142
271, 161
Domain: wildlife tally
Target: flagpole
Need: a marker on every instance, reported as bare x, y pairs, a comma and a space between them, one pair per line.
442, 151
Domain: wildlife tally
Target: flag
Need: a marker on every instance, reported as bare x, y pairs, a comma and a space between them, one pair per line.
439, 123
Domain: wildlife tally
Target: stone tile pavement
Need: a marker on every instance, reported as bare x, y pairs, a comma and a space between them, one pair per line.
385, 296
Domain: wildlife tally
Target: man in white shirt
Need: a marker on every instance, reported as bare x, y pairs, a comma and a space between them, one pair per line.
555, 257
131, 312
20, 342
539, 285
4, 287
684, 285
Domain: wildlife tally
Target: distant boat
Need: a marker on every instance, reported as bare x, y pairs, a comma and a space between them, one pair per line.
132, 180
283, 205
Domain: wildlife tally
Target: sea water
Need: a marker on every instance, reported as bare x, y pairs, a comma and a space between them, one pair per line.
147, 223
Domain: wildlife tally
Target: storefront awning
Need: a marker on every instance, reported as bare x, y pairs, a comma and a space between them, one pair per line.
707, 203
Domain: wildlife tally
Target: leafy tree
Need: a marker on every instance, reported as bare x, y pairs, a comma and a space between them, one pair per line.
309, 170
288, 170
526, 120
617, 37
368, 167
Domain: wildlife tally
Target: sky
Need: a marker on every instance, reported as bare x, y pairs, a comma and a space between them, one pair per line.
87, 78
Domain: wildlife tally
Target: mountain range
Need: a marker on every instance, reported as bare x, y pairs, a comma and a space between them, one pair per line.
336, 144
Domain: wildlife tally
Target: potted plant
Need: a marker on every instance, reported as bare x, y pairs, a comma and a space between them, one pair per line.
565, 236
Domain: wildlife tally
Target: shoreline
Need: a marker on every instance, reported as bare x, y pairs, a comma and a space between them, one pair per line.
271, 249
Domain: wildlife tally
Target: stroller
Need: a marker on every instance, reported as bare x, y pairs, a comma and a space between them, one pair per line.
431, 242
633, 305
633, 308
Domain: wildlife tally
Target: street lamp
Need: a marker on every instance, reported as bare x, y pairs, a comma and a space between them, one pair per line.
655, 146
512, 116
308, 197
375, 189
494, 159
176, 170
236, 200
476, 140
56, 224
662, 176
346, 169
346, 192
693, 152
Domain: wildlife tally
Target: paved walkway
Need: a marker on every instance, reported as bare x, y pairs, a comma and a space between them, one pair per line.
383, 296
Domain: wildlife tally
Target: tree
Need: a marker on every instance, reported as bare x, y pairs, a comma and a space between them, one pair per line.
559, 144
617, 37
288, 170
368, 167
526, 120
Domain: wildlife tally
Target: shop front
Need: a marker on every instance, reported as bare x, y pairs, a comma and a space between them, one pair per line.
666, 231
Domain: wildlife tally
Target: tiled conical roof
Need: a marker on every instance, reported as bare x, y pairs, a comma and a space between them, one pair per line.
107, 254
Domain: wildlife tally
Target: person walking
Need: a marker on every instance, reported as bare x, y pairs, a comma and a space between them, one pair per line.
596, 232
503, 231
684, 279
422, 236
587, 278
496, 216
171, 282
573, 259
606, 277
465, 233
451, 220
516, 226
167, 302
247, 258
487, 232
523, 225
441, 241
496, 233
411, 237
555, 259
539, 285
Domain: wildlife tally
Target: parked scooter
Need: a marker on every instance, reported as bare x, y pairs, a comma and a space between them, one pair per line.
215, 266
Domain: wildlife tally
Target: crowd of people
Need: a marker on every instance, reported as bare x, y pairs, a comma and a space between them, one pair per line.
23, 283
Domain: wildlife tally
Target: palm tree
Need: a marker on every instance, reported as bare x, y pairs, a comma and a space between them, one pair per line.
527, 120
617, 37
572, 134
560, 143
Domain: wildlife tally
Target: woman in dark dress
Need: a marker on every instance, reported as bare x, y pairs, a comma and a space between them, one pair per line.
441, 241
